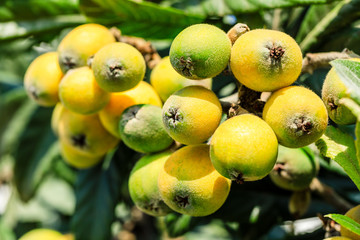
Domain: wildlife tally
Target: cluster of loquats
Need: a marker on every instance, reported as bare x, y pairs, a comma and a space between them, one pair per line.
190, 155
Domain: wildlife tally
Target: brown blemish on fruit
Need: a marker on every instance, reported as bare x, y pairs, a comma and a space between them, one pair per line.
187, 66
79, 140
173, 117
181, 201
236, 177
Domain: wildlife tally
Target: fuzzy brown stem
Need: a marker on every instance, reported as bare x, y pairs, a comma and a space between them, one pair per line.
151, 56
314, 61
330, 196
236, 31
250, 100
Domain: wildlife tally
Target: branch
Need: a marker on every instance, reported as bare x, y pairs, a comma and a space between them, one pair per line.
330, 196
150, 54
313, 61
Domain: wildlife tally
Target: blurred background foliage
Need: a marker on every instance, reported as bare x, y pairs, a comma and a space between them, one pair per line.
43, 191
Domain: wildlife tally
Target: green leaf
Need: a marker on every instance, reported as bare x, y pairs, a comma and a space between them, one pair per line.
259, 5
16, 125
34, 153
357, 141
18, 29
345, 222
224, 7
139, 18
97, 192
32, 9
312, 17
341, 16
349, 73
5, 232
340, 147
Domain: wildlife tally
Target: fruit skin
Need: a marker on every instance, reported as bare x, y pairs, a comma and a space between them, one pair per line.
190, 185
294, 169
81, 43
42, 79
244, 148
118, 67
55, 118
353, 213
297, 115
166, 80
76, 158
266, 60
80, 93
110, 115
192, 114
333, 89
200, 51
85, 133
41, 234
338, 238
143, 184
142, 130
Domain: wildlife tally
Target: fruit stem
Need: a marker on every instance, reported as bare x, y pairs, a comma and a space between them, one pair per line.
313, 61
330, 196
236, 31
151, 56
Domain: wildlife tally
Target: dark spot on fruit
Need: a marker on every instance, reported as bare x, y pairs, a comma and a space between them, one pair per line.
79, 140
237, 177
69, 63
182, 201
33, 91
173, 117
187, 66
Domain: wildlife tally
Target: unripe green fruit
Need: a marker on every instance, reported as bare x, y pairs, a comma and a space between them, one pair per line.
297, 115
118, 67
141, 129
41, 234
190, 185
266, 60
332, 90
192, 114
294, 169
143, 184
244, 148
200, 51
299, 203
353, 213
